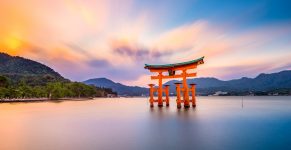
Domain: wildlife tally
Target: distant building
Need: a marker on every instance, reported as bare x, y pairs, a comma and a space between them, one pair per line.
219, 93
111, 95
273, 94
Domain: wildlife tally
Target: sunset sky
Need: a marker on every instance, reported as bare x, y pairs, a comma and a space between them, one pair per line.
84, 39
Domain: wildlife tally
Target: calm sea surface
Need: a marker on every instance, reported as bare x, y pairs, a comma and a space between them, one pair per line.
217, 123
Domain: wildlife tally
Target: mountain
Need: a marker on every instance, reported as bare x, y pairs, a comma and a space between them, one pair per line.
263, 82
266, 83
117, 87
22, 69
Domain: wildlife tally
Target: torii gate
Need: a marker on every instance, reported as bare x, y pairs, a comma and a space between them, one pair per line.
171, 69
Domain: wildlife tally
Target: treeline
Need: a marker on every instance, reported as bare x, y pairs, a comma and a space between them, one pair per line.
51, 90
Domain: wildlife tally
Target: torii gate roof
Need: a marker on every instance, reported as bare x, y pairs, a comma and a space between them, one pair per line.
166, 66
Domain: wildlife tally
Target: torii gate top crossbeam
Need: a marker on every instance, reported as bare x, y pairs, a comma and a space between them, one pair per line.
171, 66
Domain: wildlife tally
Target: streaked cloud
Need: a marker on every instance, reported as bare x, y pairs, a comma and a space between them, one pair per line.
114, 39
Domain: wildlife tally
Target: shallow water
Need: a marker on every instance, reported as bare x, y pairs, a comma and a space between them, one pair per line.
217, 123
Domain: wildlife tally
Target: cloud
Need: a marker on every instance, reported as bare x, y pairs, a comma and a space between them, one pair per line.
135, 51
98, 63
182, 37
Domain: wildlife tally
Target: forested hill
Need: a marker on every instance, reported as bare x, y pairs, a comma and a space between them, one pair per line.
22, 78
32, 72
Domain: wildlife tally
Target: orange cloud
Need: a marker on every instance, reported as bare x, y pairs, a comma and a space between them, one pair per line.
184, 37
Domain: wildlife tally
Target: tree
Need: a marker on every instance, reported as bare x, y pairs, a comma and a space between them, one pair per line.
4, 82
38, 92
49, 90
55, 90
77, 88
25, 90
3, 92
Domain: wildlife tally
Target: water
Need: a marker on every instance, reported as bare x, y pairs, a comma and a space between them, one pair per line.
217, 123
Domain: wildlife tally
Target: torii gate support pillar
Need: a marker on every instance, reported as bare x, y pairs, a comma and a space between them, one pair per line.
167, 88
193, 92
178, 89
151, 95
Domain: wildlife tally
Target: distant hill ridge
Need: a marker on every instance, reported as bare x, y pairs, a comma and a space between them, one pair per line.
209, 85
117, 87
19, 68
263, 82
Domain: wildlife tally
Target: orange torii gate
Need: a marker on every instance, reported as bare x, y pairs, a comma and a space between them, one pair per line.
172, 69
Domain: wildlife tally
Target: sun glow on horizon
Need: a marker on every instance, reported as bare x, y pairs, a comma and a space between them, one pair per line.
13, 43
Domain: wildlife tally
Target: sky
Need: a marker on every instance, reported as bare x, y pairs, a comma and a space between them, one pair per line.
84, 39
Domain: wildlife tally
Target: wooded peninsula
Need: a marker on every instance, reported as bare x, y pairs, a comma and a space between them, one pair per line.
22, 78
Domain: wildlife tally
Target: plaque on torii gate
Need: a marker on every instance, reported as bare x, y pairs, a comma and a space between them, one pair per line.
171, 70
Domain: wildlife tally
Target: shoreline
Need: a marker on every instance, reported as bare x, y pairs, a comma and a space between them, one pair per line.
42, 100
85, 99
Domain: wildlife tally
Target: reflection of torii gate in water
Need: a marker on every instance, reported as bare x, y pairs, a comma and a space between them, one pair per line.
171, 69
